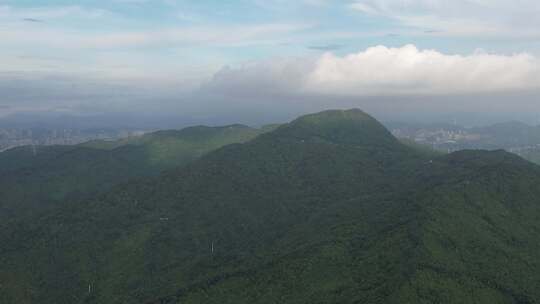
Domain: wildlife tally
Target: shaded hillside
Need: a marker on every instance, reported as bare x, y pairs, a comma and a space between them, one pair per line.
32, 178
327, 209
428, 151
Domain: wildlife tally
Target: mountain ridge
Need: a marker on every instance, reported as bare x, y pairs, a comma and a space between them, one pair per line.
32, 178
297, 215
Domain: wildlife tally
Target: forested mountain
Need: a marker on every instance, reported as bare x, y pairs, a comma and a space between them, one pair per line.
33, 178
329, 208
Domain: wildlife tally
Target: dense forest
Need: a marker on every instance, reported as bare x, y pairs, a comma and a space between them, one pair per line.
329, 208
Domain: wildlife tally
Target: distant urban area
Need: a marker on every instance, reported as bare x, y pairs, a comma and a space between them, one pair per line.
515, 137
15, 137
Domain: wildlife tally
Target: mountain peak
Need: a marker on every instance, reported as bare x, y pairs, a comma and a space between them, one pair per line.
352, 126
350, 114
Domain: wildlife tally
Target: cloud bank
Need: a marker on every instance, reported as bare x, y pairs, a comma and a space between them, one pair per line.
384, 71
380, 79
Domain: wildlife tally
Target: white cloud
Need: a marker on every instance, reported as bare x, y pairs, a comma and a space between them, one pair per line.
8, 13
131, 1
230, 35
288, 5
68, 34
385, 71
460, 17
407, 70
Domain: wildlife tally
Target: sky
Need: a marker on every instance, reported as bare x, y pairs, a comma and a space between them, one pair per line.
256, 61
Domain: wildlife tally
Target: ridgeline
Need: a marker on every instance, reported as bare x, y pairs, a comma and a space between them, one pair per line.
329, 208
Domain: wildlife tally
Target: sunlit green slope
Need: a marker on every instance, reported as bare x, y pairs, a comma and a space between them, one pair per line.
34, 178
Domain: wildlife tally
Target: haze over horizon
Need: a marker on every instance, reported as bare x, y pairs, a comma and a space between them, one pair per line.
215, 62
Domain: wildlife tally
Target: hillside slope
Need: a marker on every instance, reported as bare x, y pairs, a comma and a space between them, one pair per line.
35, 178
329, 208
